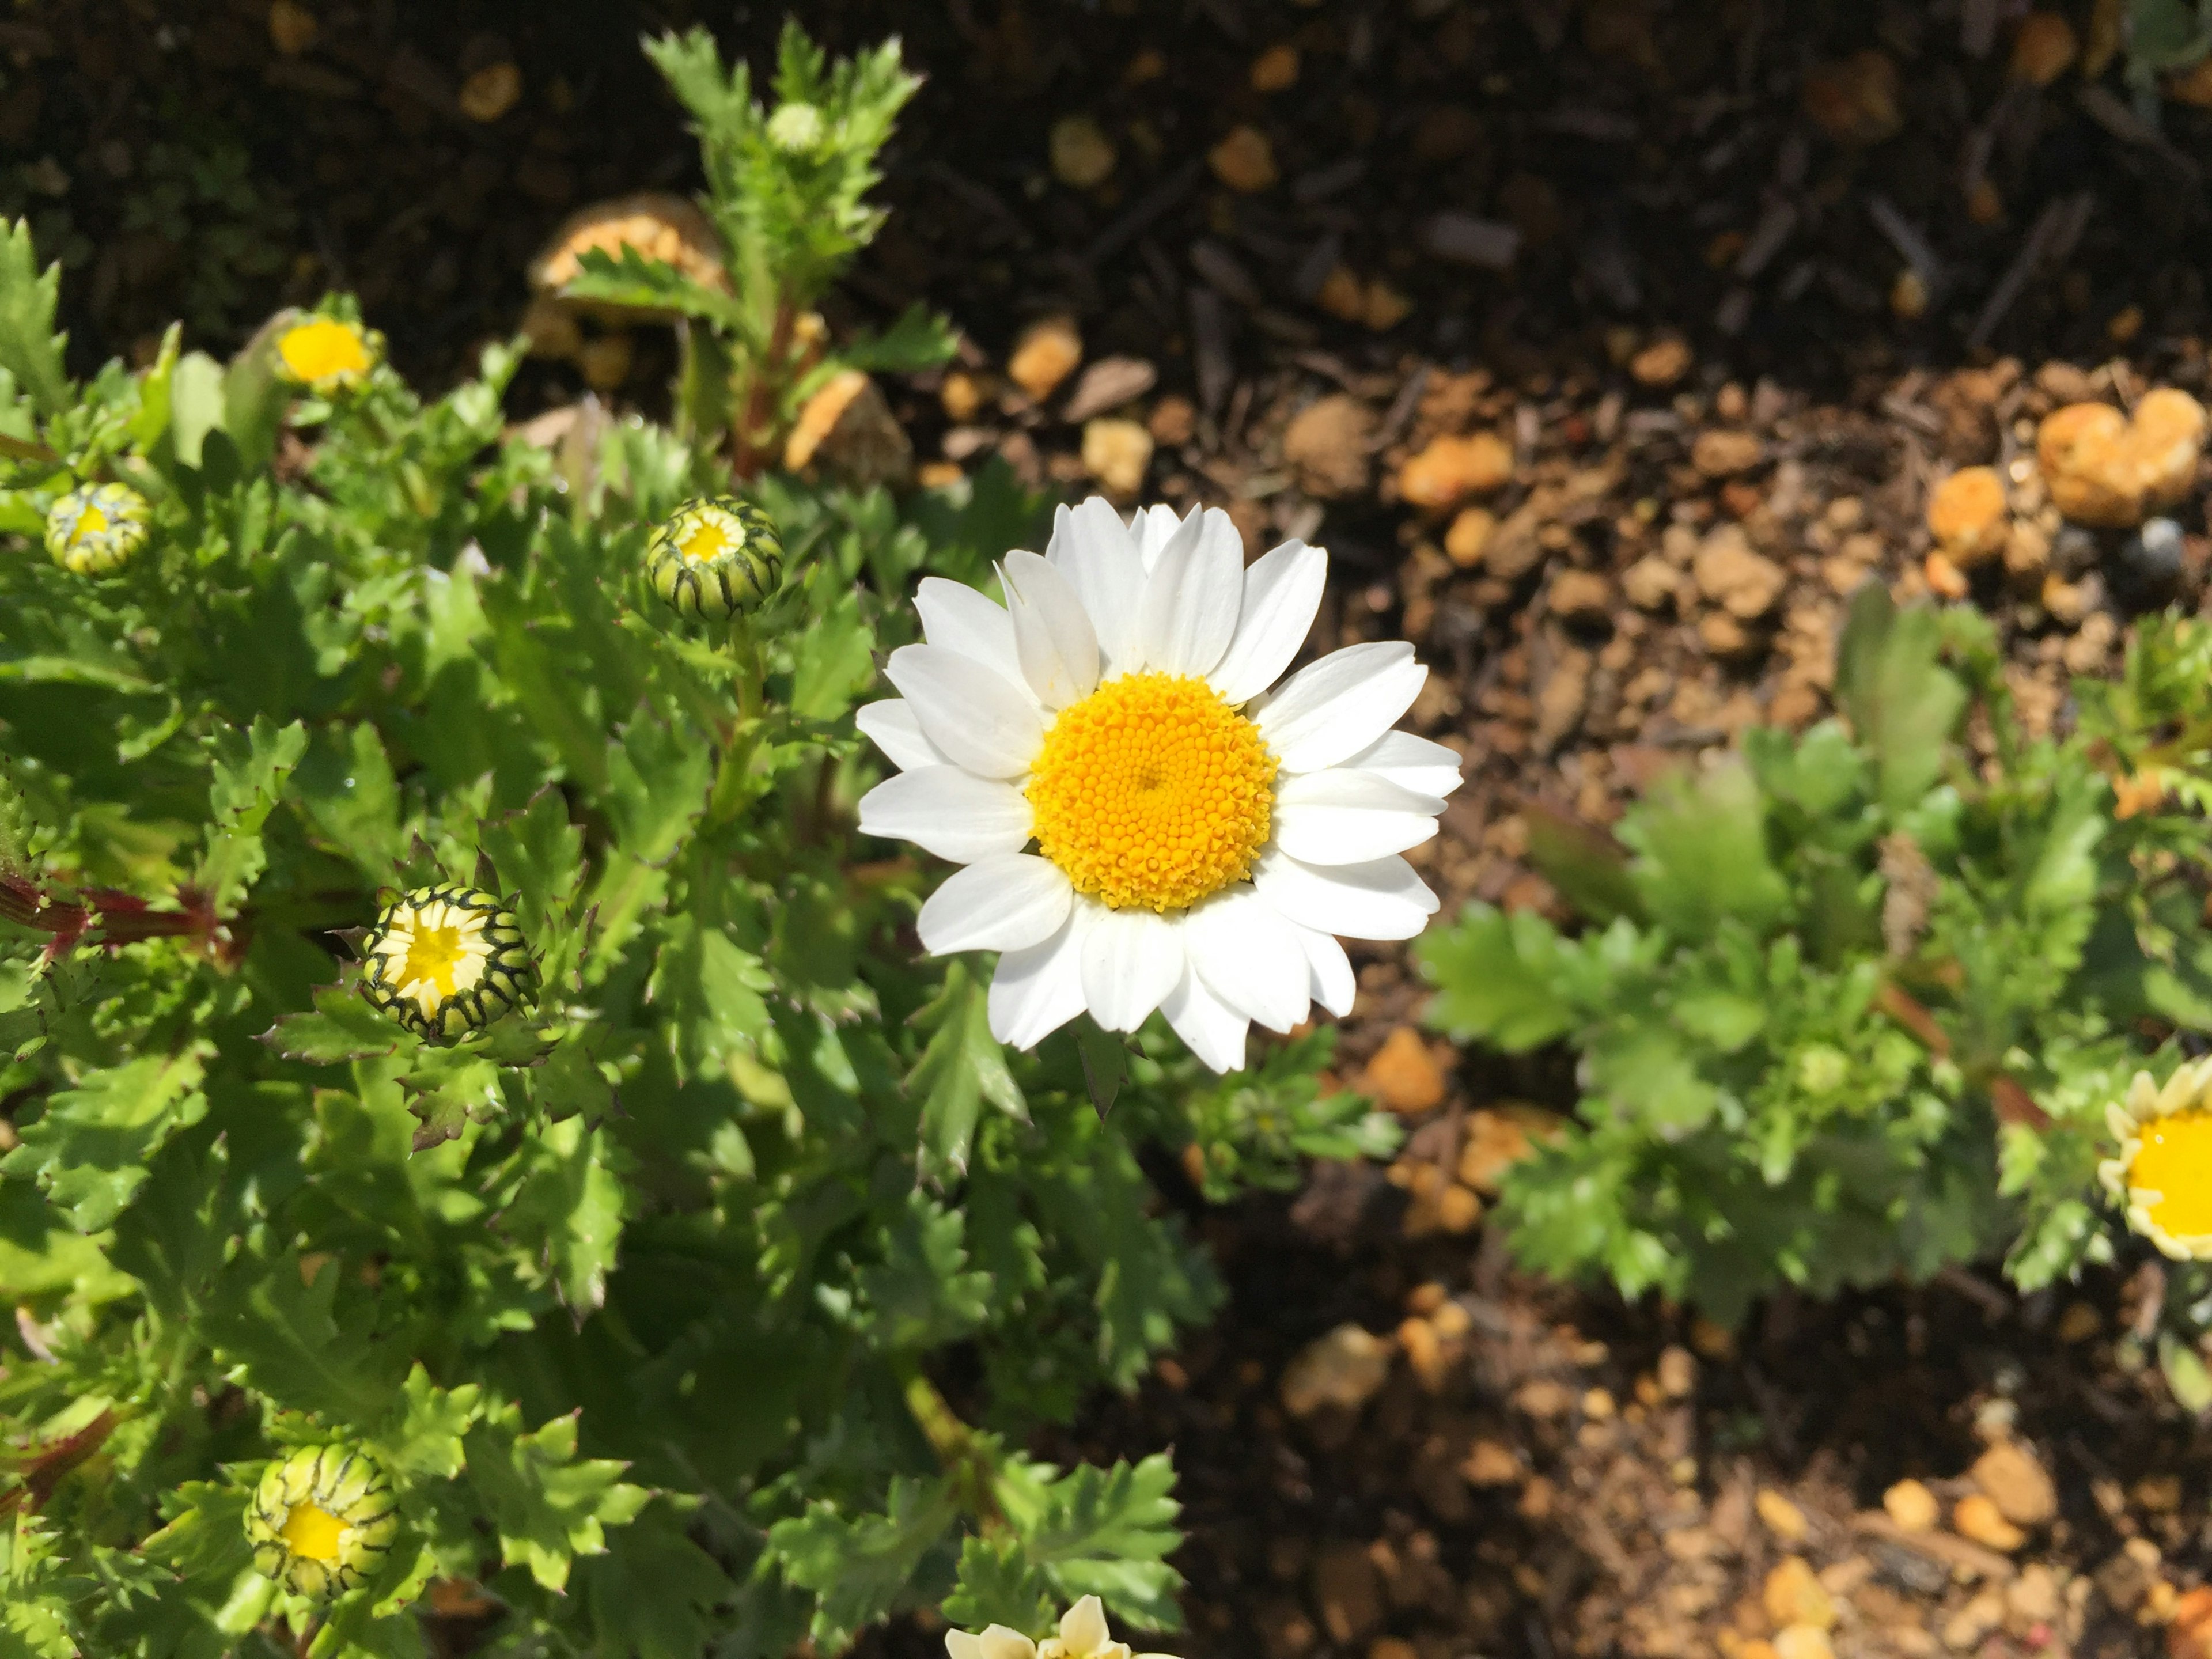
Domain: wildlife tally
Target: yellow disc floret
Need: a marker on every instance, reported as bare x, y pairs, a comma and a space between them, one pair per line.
2161, 1170
2175, 1162
446, 961
325, 354
322, 1520
1153, 791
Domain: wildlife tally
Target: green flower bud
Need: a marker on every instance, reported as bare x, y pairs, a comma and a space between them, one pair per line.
446, 961
327, 355
95, 529
715, 556
797, 129
322, 1520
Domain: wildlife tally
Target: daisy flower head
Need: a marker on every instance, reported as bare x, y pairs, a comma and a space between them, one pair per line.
94, 530
2162, 1172
322, 1520
715, 557
1201, 833
446, 961
327, 354
1083, 1635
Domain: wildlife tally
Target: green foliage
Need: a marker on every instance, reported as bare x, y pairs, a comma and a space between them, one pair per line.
1850, 1005
636, 1292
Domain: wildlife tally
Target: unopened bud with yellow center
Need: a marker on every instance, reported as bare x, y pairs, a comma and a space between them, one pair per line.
715, 557
327, 355
2163, 1170
94, 530
322, 1520
446, 961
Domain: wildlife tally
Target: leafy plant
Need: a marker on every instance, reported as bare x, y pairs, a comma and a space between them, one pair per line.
1851, 1005
786, 192
701, 1300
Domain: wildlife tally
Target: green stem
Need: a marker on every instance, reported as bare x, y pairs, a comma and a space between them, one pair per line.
733, 781
955, 1446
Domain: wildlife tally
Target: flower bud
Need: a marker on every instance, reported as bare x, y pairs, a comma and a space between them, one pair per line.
327, 354
95, 529
446, 961
322, 1520
714, 557
797, 129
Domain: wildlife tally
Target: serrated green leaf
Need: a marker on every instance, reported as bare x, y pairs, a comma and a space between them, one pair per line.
628, 277
90, 1147
961, 1066
859, 1565
1497, 977
284, 1334
920, 339
342, 1027
1900, 701
249, 773
547, 1505
30, 350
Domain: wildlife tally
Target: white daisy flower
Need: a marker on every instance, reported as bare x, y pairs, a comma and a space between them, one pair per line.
1083, 1635
1199, 839
2162, 1172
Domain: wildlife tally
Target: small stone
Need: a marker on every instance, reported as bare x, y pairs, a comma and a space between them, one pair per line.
491, 92
2190, 1635
1780, 1516
1976, 1517
1678, 1372
1793, 1595
1802, 1642
1082, 155
1968, 517
2043, 48
2017, 1483
1944, 578
960, 396
1276, 69
2107, 469
1726, 638
292, 27
1463, 239
1744, 584
1244, 161
1543, 1398
1116, 453
1384, 308
1403, 1075
938, 475
2146, 565
1912, 1506
2081, 1322
1581, 596
2033, 1597
1720, 453
550, 327
1342, 294
1345, 1369
1491, 1464
848, 428
1468, 535
1346, 1592
1046, 355
1326, 446
1650, 583
1855, 100
1661, 363
1173, 422
1392, 1647
1967, 1628
1424, 1352
1106, 385
1451, 469
1493, 1141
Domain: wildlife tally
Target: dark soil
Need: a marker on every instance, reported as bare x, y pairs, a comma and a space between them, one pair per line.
1736, 181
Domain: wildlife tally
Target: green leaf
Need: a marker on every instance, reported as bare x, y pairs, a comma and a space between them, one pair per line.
343, 1027
1586, 865
423, 1440
837, 663
657, 782
195, 405
708, 991
1497, 978
283, 1334
2185, 1374
923, 1293
961, 1066
920, 339
1702, 857
90, 1147
546, 1504
30, 350
573, 1200
860, 1564
1900, 701
651, 1593
205, 1537
1103, 1532
630, 278
447, 1099
249, 775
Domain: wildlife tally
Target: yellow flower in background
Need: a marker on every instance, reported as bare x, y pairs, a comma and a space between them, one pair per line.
1083, 1635
322, 1520
714, 557
94, 530
2163, 1170
326, 353
446, 961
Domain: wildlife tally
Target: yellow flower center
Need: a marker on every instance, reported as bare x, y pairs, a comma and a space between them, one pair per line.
1153, 791
312, 1532
2176, 1162
91, 522
324, 350
434, 955
709, 541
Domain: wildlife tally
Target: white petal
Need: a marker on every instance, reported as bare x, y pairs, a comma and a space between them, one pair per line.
947, 811
1344, 816
1152, 530
891, 726
1099, 558
1249, 956
1330, 710
1188, 613
1209, 1027
1083, 1627
1381, 900
998, 1641
976, 716
1331, 981
1059, 648
957, 617
962, 1645
1131, 960
1282, 590
1000, 903
1411, 763
1039, 988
